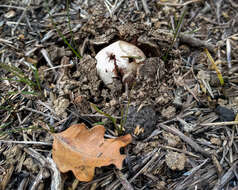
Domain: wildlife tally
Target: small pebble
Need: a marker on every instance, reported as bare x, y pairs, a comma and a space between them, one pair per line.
225, 114
10, 14
175, 161
171, 139
216, 141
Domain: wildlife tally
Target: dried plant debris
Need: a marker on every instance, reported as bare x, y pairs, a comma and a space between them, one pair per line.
182, 118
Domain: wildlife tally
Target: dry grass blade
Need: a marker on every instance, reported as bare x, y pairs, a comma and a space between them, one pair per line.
219, 75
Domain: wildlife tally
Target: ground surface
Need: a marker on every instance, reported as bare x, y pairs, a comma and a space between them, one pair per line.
176, 104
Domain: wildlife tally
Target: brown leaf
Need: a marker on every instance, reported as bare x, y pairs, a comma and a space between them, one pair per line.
81, 150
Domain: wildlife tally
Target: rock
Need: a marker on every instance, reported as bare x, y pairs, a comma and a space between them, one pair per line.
171, 139
215, 141
60, 105
225, 114
175, 161
168, 112
30, 165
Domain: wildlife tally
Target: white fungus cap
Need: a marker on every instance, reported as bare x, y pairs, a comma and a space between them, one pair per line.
115, 60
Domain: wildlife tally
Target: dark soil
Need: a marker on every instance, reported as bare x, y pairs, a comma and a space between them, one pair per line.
182, 118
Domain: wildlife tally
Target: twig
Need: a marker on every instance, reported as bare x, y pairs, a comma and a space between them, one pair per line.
47, 36
49, 163
220, 123
186, 139
35, 155
21, 17
192, 172
228, 52
82, 49
218, 10
195, 42
6, 178
145, 7
154, 133
233, 3
26, 142
56, 178
122, 178
226, 177
179, 150
207, 86
60, 66
180, 5
12, 7
154, 157
39, 112
112, 8
217, 164
6, 41
37, 180
23, 184
45, 105
20, 124
182, 83
47, 58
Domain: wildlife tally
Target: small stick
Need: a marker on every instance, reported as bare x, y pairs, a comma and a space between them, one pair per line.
23, 184
195, 42
218, 10
21, 17
154, 157
6, 41
217, 164
60, 66
6, 178
56, 183
180, 5
122, 178
226, 177
47, 36
233, 3
37, 180
112, 8
12, 7
39, 112
145, 7
220, 123
179, 150
47, 58
185, 138
228, 52
192, 172
49, 163
26, 142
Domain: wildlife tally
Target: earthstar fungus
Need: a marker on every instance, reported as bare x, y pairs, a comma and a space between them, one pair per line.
119, 60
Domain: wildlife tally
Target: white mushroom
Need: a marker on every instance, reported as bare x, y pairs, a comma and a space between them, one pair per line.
119, 60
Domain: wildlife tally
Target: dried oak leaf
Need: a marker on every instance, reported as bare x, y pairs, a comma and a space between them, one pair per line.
81, 150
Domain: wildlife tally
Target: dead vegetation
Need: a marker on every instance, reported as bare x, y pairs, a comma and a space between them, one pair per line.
181, 115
